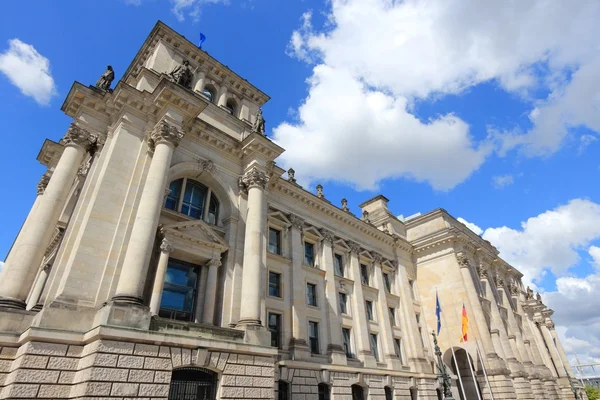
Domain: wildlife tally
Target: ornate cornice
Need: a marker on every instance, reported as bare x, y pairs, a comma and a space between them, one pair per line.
254, 178
43, 183
166, 133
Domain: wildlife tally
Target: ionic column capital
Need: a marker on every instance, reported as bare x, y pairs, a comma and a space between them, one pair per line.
164, 132
462, 260
354, 247
254, 178
328, 236
377, 258
166, 247
43, 183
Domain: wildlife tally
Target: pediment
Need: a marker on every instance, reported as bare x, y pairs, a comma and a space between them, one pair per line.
196, 231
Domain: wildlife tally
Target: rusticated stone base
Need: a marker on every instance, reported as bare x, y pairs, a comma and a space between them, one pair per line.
537, 387
523, 388
502, 388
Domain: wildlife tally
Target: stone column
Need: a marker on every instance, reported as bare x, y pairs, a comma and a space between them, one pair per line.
199, 86
540, 342
559, 347
20, 269
335, 348
40, 283
498, 332
549, 340
159, 278
164, 138
255, 181
387, 336
222, 96
200, 298
211, 291
298, 342
360, 323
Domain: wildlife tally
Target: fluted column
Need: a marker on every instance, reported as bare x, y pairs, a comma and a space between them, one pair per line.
335, 348
497, 331
164, 138
559, 347
159, 279
549, 340
211, 291
387, 339
540, 343
298, 342
24, 261
255, 181
40, 283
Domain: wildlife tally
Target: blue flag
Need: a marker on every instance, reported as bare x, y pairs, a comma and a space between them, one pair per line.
202, 39
438, 312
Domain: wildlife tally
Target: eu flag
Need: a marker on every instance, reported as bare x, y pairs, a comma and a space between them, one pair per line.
438, 312
202, 39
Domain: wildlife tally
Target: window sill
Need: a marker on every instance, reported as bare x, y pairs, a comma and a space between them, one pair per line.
278, 257
313, 307
314, 270
279, 298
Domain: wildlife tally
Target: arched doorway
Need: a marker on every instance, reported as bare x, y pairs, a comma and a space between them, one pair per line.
414, 393
389, 393
358, 392
193, 384
466, 370
324, 391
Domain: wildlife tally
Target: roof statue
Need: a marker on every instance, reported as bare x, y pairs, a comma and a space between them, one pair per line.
182, 75
106, 79
259, 123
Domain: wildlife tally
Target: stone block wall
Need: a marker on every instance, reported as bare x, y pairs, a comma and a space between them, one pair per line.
106, 369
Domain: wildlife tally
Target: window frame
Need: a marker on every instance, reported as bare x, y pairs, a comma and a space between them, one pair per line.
313, 261
373, 340
279, 251
364, 274
343, 295
350, 346
315, 296
209, 199
398, 348
392, 314
338, 265
370, 310
174, 287
279, 331
313, 341
279, 285
387, 283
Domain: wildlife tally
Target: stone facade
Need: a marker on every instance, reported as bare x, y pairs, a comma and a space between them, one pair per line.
166, 251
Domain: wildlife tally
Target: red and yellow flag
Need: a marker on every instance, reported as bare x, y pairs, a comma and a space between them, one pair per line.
465, 324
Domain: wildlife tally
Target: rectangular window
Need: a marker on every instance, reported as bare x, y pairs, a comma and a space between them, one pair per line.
392, 311
347, 342
274, 241
398, 348
311, 294
275, 329
369, 310
309, 254
274, 284
313, 337
178, 299
387, 283
364, 274
343, 303
374, 349
338, 263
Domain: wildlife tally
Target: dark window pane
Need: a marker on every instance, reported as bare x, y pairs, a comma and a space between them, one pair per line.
324, 391
274, 284
347, 342
209, 94
364, 274
173, 197
274, 241
398, 349
357, 393
179, 292
213, 210
369, 310
309, 254
392, 316
387, 283
311, 294
343, 303
339, 265
193, 199
374, 349
388, 393
283, 390
275, 329
313, 337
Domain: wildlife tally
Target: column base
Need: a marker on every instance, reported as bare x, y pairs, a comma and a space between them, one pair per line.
127, 299
15, 304
299, 349
257, 334
124, 314
337, 355
248, 322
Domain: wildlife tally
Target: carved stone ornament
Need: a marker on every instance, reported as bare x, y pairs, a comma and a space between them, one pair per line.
43, 183
377, 258
166, 247
320, 191
164, 132
538, 297
514, 288
215, 262
345, 205
365, 217
77, 136
183, 75
291, 174
482, 271
259, 123
106, 79
384, 228
46, 268
296, 221
354, 247
462, 260
254, 178
529, 294
550, 325
499, 281
207, 166
328, 236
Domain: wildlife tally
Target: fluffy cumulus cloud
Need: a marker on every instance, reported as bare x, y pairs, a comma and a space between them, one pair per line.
185, 8
470, 225
367, 75
28, 70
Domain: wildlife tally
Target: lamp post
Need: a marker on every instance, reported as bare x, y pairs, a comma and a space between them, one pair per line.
442, 373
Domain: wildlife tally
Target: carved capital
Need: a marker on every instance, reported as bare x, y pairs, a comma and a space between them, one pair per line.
328, 236
166, 247
462, 260
215, 262
296, 221
354, 247
514, 288
254, 178
550, 325
377, 258
164, 132
77, 136
482, 271
43, 183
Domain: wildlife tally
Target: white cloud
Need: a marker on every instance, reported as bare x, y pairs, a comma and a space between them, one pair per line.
502, 181
28, 70
390, 53
550, 240
586, 140
1, 265
594, 251
185, 8
470, 225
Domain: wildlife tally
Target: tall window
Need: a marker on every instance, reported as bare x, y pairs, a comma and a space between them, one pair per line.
191, 198
178, 299
193, 383
274, 241
274, 284
347, 342
358, 393
369, 310
283, 390
374, 349
324, 391
392, 312
389, 395
309, 254
364, 274
275, 329
311, 294
338, 263
398, 348
313, 337
387, 283
343, 303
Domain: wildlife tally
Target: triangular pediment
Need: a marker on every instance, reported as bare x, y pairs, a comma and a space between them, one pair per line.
196, 231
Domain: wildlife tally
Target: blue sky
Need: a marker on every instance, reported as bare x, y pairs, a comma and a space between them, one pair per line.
489, 111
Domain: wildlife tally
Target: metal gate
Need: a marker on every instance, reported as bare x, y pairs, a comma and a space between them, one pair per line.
193, 384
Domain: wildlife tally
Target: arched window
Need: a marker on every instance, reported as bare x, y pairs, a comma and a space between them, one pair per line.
209, 91
324, 391
389, 393
283, 390
192, 198
358, 393
231, 106
193, 383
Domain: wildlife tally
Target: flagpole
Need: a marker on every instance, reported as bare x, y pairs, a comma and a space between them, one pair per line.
462, 387
471, 366
487, 380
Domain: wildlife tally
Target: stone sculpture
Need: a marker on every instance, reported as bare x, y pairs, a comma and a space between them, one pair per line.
106, 79
529, 294
259, 123
182, 75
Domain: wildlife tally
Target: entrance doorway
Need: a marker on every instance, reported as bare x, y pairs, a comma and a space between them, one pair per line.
193, 384
358, 393
465, 368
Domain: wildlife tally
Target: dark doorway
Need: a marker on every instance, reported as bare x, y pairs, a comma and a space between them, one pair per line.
193, 384
283, 389
414, 393
324, 391
466, 382
358, 393
440, 394
389, 393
